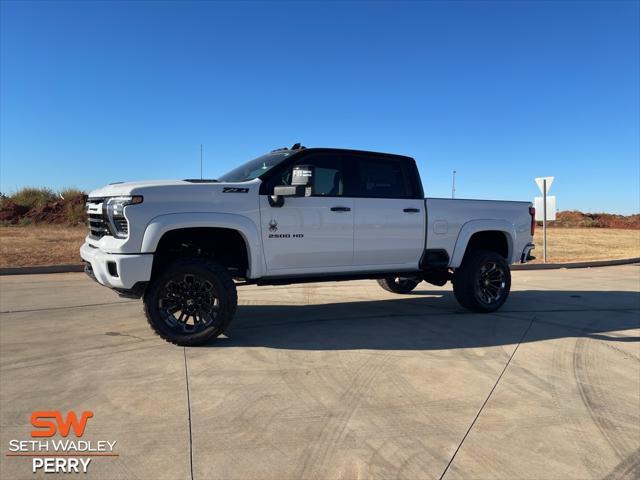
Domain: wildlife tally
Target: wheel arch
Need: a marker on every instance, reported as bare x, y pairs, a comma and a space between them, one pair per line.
172, 224
495, 235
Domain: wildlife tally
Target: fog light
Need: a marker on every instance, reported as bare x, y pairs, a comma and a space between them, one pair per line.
112, 268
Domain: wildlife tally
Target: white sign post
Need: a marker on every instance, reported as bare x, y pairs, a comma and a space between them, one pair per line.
544, 184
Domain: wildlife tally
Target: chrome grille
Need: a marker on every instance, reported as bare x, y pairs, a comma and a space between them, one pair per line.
98, 226
97, 223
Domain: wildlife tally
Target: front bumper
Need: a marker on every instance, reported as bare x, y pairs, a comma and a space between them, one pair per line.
121, 272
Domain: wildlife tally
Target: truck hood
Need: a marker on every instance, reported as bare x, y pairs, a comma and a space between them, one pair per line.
132, 188
163, 187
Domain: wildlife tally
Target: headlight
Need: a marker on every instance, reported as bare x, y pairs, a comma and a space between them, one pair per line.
114, 210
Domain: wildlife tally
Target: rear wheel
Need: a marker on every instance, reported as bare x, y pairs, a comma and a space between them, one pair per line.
483, 281
191, 301
398, 284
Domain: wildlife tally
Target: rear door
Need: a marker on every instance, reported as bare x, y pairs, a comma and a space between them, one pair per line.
309, 234
389, 223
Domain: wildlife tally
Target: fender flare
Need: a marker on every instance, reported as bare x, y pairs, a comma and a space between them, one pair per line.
476, 226
246, 227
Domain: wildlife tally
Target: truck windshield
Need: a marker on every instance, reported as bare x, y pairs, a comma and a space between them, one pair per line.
255, 168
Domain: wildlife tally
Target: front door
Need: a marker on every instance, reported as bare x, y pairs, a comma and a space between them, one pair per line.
313, 234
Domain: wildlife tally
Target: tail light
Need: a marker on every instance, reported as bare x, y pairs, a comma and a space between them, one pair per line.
532, 212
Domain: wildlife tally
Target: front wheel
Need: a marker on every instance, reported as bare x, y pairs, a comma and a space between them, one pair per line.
398, 284
483, 281
190, 301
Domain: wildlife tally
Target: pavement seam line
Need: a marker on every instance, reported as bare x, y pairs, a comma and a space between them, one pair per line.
186, 376
446, 469
68, 306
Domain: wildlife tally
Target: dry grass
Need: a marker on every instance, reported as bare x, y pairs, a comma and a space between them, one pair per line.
40, 245
53, 244
580, 244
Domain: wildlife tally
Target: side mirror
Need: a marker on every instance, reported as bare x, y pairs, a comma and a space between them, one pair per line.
301, 182
289, 191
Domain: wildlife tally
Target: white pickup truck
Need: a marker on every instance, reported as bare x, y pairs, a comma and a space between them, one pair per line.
296, 215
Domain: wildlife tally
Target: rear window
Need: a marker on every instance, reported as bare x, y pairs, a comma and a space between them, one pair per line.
379, 177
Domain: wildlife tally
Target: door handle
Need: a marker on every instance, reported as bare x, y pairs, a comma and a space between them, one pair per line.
340, 209
411, 210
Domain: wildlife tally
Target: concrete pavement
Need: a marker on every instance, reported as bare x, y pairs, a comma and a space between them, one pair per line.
338, 380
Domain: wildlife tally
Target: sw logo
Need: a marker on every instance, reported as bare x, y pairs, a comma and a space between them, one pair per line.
48, 428
60, 455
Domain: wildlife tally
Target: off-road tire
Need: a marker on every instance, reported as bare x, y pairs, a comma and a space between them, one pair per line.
217, 282
469, 281
398, 284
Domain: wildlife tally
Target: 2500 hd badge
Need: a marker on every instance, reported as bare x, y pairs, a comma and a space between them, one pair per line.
273, 227
286, 235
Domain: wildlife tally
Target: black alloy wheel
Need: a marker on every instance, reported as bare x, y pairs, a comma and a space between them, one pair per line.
483, 281
188, 305
190, 301
491, 282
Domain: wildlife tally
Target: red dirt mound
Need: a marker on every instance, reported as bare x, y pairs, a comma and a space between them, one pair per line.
11, 212
70, 210
51, 212
576, 219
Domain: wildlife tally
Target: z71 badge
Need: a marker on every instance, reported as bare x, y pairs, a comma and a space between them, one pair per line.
235, 190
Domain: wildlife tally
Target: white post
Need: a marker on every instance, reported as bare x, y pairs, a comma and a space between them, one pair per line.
544, 220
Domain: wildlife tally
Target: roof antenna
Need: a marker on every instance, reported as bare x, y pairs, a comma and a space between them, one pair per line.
453, 185
200, 161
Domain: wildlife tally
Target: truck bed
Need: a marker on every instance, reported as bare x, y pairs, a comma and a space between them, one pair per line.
449, 220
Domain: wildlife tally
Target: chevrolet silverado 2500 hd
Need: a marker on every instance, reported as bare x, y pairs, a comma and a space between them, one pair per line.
296, 215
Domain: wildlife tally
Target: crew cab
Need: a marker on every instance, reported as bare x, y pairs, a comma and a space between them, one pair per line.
296, 215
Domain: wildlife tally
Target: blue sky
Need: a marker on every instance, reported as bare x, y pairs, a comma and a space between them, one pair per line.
95, 92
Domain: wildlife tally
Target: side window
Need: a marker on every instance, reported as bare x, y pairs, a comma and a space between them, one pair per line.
327, 176
380, 177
